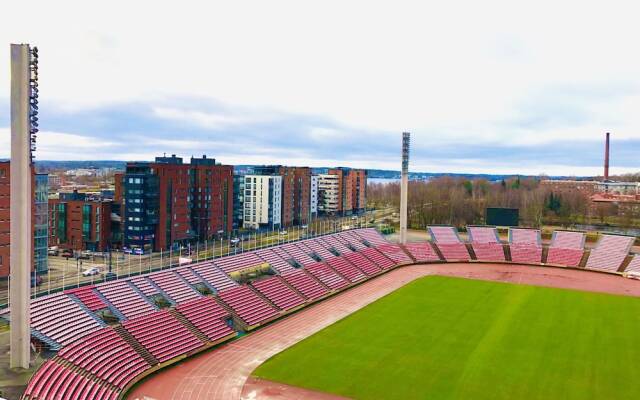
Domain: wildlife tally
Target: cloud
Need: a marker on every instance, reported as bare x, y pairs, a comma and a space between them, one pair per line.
482, 86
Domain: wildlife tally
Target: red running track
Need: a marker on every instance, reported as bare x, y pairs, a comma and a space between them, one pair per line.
222, 373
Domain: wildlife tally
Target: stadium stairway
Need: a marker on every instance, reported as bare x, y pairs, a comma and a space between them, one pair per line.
184, 321
144, 353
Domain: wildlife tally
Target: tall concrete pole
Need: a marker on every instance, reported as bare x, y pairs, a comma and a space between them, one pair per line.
606, 158
20, 205
404, 187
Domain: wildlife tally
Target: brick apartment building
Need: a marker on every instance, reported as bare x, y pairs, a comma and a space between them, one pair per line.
296, 192
168, 202
38, 220
78, 221
342, 191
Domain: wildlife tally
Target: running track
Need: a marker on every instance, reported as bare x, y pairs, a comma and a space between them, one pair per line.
222, 373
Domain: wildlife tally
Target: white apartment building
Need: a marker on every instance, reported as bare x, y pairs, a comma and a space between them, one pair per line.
328, 193
262, 201
313, 196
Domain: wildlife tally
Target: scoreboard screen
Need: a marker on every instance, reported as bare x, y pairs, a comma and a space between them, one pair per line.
499, 216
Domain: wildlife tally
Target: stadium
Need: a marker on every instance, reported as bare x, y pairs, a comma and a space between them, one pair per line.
351, 315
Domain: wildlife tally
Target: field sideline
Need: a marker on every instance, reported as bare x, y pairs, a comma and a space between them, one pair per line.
452, 338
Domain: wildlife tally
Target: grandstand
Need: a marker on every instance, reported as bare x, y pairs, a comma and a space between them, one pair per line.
485, 242
100, 361
566, 248
634, 265
610, 253
422, 252
525, 245
446, 239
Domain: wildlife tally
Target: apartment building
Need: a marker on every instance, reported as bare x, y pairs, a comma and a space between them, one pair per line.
313, 197
296, 191
342, 191
238, 201
80, 221
40, 189
328, 194
262, 202
168, 202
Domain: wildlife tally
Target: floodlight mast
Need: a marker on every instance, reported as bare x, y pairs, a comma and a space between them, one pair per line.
24, 126
404, 186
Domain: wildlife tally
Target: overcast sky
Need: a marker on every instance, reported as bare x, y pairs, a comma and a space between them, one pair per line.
483, 86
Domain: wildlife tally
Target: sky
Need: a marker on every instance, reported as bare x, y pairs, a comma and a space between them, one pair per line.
483, 87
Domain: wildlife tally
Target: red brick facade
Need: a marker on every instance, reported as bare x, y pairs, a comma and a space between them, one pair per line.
5, 212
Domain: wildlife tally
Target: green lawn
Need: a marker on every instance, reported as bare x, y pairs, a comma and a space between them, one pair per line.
451, 338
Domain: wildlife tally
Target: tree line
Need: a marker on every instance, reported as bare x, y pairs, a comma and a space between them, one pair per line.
461, 202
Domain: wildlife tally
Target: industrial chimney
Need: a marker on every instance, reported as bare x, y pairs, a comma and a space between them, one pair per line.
606, 158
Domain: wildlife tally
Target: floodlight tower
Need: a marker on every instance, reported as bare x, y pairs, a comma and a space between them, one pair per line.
404, 187
24, 126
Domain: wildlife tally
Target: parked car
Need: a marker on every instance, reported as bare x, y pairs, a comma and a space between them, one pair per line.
284, 233
138, 252
127, 250
85, 254
53, 251
91, 271
67, 253
234, 241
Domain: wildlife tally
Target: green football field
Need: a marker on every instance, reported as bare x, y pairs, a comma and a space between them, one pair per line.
452, 338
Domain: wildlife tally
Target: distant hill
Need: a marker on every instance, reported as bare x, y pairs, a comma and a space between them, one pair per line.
244, 168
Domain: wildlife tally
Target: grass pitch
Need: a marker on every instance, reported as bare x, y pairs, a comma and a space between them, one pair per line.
452, 338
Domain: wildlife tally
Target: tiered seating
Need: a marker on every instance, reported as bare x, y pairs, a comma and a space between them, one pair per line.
377, 257
305, 284
355, 242
331, 241
566, 248
176, 288
610, 252
274, 289
395, 253
422, 252
288, 257
247, 305
61, 319
162, 335
370, 235
278, 263
237, 262
208, 316
327, 276
319, 249
187, 274
483, 234
346, 269
488, 251
106, 355
88, 297
125, 299
443, 234
486, 243
525, 245
634, 265
216, 278
363, 263
297, 253
454, 251
55, 381
449, 243
144, 285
